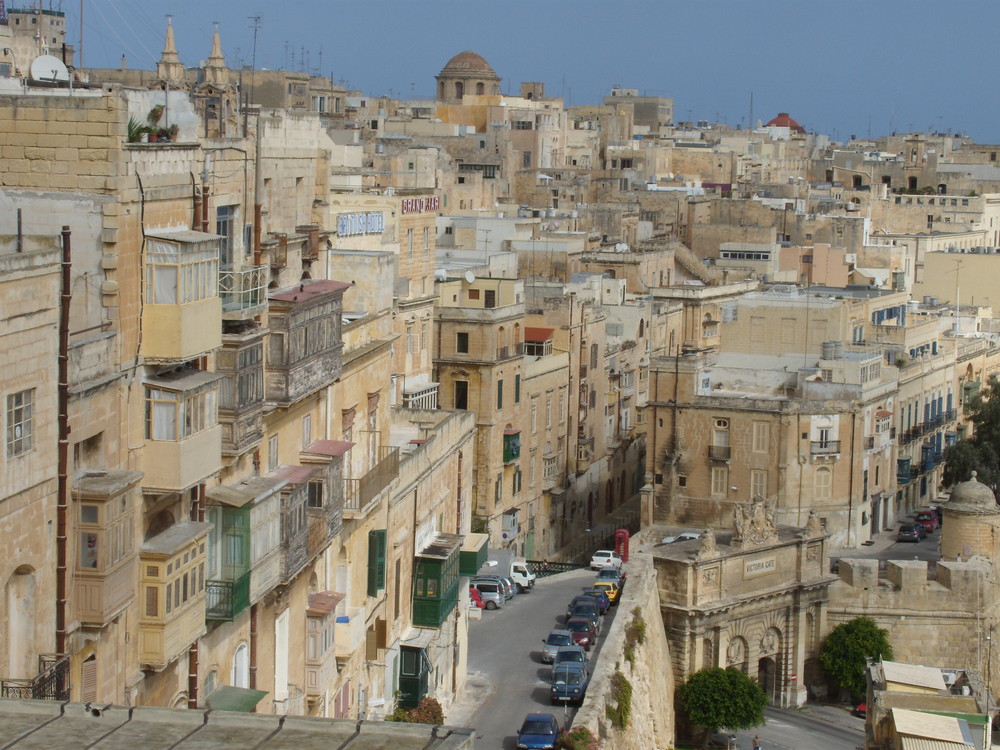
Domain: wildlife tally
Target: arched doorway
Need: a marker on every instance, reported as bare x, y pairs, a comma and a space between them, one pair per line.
19, 623
240, 675
769, 666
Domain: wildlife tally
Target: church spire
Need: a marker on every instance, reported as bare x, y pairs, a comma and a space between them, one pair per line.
169, 68
215, 70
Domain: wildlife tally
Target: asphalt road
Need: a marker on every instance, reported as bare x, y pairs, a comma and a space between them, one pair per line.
505, 650
813, 727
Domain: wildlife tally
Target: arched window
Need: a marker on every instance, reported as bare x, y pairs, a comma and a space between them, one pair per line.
823, 483
441, 90
459, 89
480, 88
642, 327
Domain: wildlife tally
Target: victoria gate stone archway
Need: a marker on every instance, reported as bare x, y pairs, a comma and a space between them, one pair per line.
751, 598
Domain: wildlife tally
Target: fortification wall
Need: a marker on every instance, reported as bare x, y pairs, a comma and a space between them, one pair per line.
931, 620
651, 722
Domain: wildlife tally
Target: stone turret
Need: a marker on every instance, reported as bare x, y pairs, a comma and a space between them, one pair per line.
971, 522
170, 68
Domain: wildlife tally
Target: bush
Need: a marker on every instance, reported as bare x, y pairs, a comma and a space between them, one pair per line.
578, 738
635, 634
621, 694
428, 711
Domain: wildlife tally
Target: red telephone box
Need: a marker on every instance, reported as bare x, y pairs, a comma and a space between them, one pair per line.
621, 544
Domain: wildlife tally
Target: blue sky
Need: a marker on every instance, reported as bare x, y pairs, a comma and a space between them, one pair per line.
851, 67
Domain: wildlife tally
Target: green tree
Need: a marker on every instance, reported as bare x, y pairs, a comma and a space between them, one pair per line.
844, 652
981, 451
714, 698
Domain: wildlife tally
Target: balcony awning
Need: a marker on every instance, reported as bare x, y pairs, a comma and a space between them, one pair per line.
310, 290
418, 637
251, 490
229, 698
294, 474
183, 380
441, 547
187, 236
328, 447
323, 603
175, 538
537, 335
883, 414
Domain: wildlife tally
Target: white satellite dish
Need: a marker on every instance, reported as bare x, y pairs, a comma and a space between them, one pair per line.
48, 68
470, 276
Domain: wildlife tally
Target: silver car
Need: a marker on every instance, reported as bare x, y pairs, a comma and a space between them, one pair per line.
555, 639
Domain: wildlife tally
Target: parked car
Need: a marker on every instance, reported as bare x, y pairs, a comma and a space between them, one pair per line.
684, 536
553, 641
586, 609
569, 653
615, 575
605, 558
861, 710
582, 631
601, 597
569, 683
928, 518
508, 589
491, 593
477, 600
610, 588
910, 532
581, 599
538, 732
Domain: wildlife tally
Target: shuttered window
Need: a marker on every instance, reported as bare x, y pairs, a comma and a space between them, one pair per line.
376, 561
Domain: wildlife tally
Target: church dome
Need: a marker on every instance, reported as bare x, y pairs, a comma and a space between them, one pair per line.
972, 495
785, 120
468, 63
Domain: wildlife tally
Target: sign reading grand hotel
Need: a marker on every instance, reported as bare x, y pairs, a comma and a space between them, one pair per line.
350, 224
760, 566
419, 205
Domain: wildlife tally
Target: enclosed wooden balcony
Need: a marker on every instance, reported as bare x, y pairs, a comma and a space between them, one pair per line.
183, 436
172, 579
104, 582
321, 662
241, 399
243, 291
293, 553
304, 349
436, 578
182, 311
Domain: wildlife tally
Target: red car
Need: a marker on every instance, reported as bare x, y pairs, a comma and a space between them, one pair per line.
928, 518
477, 600
583, 631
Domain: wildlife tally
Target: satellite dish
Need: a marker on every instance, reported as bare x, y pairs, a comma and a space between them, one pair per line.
470, 276
48, 68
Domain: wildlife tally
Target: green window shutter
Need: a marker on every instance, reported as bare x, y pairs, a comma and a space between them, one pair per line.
499, 394
380, 538
372, 563
376, 561
517, 389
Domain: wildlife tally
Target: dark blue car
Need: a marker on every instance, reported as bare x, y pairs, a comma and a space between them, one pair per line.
538, 732
569, 683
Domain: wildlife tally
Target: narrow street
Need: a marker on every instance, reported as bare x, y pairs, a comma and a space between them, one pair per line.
505, 657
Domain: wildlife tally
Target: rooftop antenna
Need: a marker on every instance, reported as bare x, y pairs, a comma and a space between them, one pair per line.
750, 119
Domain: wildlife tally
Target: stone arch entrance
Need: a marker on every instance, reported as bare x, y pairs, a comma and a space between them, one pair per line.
736, 654
769, 666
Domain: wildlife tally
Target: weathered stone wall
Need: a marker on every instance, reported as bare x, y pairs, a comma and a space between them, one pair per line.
651, 724
942, 621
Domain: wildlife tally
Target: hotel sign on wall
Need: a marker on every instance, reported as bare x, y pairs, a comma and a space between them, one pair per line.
352, 224
419, 205
759, 566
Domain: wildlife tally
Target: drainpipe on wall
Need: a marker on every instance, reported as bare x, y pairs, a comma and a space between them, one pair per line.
62, 486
